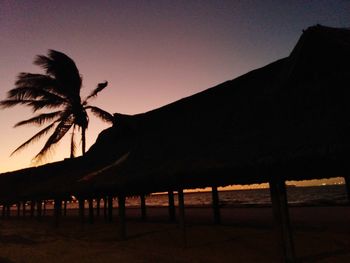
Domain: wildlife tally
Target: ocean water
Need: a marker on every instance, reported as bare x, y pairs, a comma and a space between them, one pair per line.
297, 196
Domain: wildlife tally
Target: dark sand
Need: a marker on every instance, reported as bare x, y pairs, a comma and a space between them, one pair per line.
322, 234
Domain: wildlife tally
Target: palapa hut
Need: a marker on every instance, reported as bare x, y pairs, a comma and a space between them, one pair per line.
289, 120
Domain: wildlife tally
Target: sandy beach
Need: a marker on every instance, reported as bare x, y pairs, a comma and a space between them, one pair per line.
322, 234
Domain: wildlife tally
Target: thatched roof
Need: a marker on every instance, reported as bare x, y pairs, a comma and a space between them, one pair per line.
290, 118
292, 115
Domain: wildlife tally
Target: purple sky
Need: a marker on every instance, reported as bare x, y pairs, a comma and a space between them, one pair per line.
151, 52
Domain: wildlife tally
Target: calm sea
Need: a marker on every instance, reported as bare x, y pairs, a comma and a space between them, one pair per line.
315, 195
297, 196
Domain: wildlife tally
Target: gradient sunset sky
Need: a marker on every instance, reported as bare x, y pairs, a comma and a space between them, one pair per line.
151, 52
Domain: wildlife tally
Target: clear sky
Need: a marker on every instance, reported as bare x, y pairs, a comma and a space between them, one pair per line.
151, 52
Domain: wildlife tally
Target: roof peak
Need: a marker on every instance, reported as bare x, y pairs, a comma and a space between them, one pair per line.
322, 28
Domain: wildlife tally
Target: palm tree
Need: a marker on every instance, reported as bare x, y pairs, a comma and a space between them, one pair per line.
58, 89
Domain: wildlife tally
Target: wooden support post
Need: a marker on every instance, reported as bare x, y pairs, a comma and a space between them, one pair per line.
8, 211
182, 215
32, 208
122, 221
57, 212
3, 210
82, 210
44, 208
105, 205
65, 207
24, 208
281, 214
98, 202
172, 216
216, 207
143, 207
39, 209
110, 209
91, 210
347, 186
18, 209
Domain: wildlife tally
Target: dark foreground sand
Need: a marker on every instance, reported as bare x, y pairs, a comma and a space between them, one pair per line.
322, 234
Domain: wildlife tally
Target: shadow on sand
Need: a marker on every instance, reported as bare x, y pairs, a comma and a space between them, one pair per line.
5, 260
325, 255
16, 239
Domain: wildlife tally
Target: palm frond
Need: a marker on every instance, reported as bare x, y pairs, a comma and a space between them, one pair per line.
101, 114
32, 84
40, 119
45, 63
47, 103
25, 79
27, 92
35, 104
94, 93
10, 103
35, 138
63, 69
61, 129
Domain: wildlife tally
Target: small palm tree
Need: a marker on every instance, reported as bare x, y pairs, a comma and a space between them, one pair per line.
58, 89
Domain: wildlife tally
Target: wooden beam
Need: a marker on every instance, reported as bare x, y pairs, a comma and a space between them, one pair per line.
281, 214
143, 207
122, 221
182, 224
172, 215
216, 206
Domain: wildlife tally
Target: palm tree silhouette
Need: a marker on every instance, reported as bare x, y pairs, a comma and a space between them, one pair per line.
58, 89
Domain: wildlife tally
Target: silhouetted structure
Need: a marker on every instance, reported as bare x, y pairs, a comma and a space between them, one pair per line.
286, 121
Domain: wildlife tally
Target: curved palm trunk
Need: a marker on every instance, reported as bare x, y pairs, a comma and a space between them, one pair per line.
72, 144
83, 140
